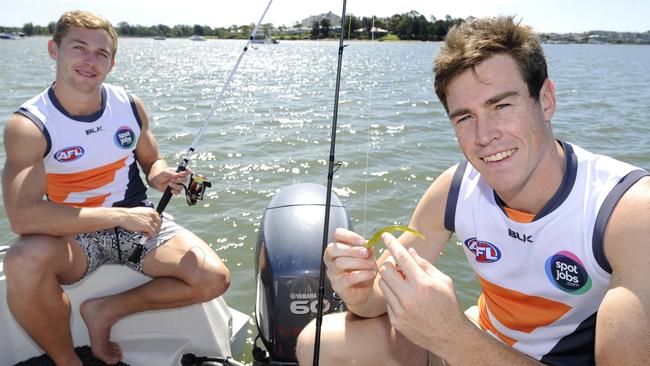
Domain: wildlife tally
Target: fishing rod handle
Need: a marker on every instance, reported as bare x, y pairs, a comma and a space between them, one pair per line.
167, 195
164, 200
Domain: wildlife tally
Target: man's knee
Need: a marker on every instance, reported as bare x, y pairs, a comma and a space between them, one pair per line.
332, 348
36, 258
348, 339
187, 258
305, 344
30, 256
209, 284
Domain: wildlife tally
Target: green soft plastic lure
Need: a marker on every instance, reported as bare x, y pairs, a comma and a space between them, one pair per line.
390, 228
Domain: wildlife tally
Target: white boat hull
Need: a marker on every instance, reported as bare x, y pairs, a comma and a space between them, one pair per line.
149, 338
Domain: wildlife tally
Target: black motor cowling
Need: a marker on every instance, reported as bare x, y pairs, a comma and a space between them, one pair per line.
288, 256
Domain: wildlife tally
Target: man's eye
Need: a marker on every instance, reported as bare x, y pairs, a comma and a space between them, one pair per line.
502, 105
463, 118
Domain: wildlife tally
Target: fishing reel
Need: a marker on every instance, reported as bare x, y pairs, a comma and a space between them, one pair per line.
196, 188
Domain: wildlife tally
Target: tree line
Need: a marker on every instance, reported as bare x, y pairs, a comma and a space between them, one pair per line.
406, 26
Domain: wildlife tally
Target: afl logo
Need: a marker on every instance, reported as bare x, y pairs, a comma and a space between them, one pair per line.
69, 153
124, 137
568, 273
483, 251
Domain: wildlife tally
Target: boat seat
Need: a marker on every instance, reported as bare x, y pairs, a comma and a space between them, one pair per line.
157, 337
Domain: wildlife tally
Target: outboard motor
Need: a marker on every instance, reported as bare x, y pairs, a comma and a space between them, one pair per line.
288, 257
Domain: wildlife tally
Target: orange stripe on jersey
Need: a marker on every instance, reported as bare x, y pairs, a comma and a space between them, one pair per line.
517, 310
519, 216
59, 186
485, 322
93, 201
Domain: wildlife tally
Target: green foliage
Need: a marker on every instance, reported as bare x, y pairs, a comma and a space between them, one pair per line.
28, 29
390, 37
406, 26
324, 28
315, 30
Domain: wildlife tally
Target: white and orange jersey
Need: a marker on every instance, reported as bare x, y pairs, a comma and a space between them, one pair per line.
543, 277
90, 160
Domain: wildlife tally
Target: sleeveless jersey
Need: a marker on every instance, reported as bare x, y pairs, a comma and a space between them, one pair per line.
543, 280
90, 160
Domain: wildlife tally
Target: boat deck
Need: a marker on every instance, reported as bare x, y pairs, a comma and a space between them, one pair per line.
158, 337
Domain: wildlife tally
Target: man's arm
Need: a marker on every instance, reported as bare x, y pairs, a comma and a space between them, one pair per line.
623, 324
428, 218
155, 168
24, 185
421, 300
422, 306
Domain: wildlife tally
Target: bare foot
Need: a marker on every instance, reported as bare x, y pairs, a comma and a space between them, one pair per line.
99, 331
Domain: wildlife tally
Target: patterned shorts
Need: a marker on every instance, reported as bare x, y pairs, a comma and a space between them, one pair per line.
120, 246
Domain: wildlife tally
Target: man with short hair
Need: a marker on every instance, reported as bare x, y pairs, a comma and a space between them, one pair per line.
555, 234
80, 143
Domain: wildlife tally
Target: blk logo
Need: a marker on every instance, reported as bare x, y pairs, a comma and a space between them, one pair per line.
523, 237
94, 130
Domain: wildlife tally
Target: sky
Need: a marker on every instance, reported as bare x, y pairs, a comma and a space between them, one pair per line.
561, 16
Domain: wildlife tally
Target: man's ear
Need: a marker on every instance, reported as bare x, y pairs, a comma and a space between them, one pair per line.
547, 99
53, 49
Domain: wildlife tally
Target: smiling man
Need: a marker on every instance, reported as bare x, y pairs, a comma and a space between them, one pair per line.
553, 232
73, 193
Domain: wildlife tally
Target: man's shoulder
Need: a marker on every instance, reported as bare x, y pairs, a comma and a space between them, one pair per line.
638, 194
436, 196
601, 164
627, 231
452, 174
21, 124
43, 94
120, 95
114, 89
21, 132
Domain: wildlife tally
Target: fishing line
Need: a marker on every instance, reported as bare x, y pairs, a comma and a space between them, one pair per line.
349, 28
164, 200
365, 191
328, 198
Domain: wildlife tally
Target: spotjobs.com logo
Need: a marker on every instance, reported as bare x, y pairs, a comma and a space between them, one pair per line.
568, 273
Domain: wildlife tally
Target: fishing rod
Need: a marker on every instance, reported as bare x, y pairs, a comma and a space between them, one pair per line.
167, 195
328, 197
